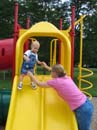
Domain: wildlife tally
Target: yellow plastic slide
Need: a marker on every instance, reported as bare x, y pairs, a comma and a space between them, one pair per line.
39, 109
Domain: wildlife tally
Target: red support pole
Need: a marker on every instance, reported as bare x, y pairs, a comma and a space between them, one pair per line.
72, 33
28, 23
26, 46
60, 23
59, 56
15, 37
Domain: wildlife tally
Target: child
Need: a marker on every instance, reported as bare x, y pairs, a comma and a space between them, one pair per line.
68, 90
30, 59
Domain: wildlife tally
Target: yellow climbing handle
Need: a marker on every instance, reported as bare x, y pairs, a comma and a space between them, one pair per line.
87, 70
53, 52
77, 22
80, 78
90, 73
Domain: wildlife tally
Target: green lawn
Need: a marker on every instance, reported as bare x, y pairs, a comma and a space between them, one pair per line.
7, 84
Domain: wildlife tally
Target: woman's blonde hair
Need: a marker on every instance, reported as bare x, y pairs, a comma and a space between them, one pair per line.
59, 69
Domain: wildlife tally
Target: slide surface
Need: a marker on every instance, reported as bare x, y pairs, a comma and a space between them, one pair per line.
39, 109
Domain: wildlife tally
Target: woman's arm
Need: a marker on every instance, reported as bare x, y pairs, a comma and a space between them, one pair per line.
46, 66
35, 80
39, 83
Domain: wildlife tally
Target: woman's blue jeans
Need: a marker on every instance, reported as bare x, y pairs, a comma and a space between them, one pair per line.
84, 115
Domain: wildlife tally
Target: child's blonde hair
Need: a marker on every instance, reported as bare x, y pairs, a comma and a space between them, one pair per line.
59, 69
35, 42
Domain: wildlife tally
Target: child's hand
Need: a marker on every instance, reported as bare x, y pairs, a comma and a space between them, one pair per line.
27, 59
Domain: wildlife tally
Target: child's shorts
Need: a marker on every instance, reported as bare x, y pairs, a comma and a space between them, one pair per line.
24, 71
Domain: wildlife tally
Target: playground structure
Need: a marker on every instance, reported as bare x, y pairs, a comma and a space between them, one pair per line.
35, 109
38, 106
6, 59
32, 107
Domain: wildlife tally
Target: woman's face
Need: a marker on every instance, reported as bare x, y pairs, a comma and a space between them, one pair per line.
54, 74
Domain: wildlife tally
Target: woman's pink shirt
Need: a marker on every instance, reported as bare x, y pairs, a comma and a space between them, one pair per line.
68, 90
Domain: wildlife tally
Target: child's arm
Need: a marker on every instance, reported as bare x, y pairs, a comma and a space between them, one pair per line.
26, 58
39, 62
44, 65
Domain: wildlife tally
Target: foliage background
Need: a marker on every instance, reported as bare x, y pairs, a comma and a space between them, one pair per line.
52, 11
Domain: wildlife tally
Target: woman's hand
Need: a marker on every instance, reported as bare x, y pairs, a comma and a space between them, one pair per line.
46, 66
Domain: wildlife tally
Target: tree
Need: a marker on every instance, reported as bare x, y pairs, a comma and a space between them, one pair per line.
88, 8
6, 18
51, 11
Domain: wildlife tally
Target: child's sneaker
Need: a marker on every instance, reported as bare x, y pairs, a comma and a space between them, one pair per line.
33, 85
20, 85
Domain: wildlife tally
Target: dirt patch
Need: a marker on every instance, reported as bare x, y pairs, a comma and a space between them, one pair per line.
94, 121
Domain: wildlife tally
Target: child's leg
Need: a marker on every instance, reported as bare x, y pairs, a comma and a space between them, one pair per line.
21, 81
21, 77
32, 83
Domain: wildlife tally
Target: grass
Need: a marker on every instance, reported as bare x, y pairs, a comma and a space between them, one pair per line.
7, 83
5, 80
